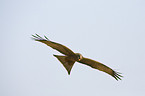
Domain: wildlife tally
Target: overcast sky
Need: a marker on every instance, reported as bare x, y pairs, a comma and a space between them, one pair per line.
109, 31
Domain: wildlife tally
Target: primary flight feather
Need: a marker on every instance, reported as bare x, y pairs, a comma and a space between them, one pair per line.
70, 58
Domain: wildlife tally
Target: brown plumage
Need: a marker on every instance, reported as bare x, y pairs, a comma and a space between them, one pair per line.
70, 58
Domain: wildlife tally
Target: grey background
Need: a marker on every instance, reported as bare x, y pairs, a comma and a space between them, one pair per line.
109, 31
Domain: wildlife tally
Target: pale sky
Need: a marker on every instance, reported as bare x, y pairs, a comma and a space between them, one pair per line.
108, 31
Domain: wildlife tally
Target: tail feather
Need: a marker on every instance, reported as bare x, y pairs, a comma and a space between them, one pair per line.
67, 64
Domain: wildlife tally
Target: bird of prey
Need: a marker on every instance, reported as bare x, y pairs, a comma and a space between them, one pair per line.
70, 58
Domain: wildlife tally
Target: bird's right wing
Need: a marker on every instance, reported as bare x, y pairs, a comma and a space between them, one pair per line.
101, 67
59, 47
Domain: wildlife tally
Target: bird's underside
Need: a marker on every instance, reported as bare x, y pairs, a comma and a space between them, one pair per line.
70, 58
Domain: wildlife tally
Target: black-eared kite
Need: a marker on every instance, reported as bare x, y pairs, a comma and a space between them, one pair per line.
70, 58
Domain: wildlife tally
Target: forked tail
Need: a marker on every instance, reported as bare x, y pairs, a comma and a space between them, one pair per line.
67, 64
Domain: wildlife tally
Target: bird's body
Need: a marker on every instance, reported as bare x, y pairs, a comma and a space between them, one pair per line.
70, 58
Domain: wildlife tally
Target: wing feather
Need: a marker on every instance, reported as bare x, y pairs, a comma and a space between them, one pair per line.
59, 47
101, 67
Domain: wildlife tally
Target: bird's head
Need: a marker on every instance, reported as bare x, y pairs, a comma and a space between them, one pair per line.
79, 56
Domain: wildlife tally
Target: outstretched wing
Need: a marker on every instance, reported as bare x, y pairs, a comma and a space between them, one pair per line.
59, 47
101, 67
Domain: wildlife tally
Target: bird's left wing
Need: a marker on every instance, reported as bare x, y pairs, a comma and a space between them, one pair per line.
101, 67
59, 47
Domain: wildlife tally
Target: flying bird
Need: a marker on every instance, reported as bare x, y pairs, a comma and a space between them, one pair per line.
70, 58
